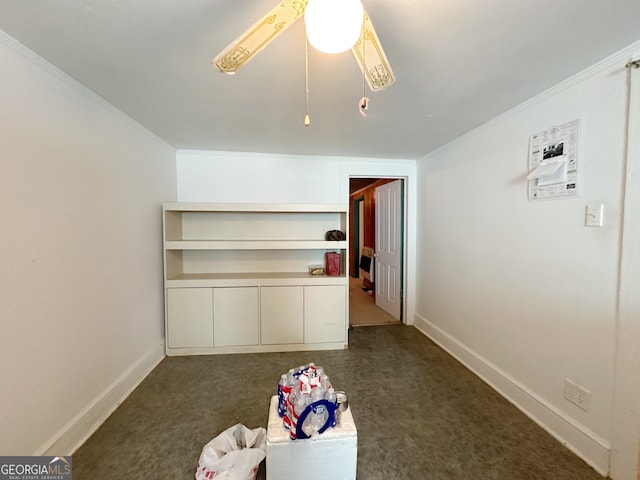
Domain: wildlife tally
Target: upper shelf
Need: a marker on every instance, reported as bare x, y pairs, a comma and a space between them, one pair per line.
254, 245
242, 226
254, 207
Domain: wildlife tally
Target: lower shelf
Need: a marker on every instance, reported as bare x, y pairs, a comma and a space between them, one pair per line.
253, 279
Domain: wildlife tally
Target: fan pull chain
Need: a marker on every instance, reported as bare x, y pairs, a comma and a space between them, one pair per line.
363, 104
307, 120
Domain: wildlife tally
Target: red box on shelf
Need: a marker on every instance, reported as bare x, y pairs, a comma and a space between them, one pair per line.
332, 264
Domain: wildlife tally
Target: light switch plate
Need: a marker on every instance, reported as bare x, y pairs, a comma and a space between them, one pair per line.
594, 215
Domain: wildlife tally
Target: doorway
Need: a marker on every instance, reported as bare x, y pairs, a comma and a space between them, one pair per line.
376, 225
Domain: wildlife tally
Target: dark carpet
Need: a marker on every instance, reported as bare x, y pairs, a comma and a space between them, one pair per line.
419, 413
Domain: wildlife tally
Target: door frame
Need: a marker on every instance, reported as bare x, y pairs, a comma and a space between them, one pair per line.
403, 236
355, 236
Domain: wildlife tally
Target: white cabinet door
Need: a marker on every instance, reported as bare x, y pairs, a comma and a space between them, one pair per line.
325, 313
235, 316
189, 317
281, 315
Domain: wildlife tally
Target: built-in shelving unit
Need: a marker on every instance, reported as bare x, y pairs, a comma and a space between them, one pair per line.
237, 278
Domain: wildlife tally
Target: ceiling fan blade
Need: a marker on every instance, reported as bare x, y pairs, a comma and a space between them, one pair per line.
371, 58
241, 50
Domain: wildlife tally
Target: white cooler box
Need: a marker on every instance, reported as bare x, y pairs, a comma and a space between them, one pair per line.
331, 455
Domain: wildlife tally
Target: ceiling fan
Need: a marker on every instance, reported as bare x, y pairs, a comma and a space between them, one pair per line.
366, 50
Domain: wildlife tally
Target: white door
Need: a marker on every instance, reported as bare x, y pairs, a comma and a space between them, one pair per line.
189, 317
281, 315
235, 316
325, 313
388, 255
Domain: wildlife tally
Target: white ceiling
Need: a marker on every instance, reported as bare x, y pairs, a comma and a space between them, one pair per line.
457, 63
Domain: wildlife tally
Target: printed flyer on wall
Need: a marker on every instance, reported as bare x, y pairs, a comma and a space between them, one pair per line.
553, 162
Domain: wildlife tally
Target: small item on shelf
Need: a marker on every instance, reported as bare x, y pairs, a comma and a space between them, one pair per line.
335, 236
332, 263
316, 269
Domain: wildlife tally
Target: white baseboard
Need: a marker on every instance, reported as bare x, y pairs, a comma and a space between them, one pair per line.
70, 437
589, 446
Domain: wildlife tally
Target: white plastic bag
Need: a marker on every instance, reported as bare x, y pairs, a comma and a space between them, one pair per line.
235, 454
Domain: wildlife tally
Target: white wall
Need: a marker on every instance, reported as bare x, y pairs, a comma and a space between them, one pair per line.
81, 315
205, 176
523, 292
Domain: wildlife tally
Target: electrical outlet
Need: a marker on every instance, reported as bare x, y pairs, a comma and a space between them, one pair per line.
577, 394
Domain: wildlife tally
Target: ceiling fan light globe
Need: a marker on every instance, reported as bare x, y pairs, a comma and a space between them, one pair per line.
333, 26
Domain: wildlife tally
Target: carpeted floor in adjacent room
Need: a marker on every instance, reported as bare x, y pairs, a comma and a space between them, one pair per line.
419, 414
